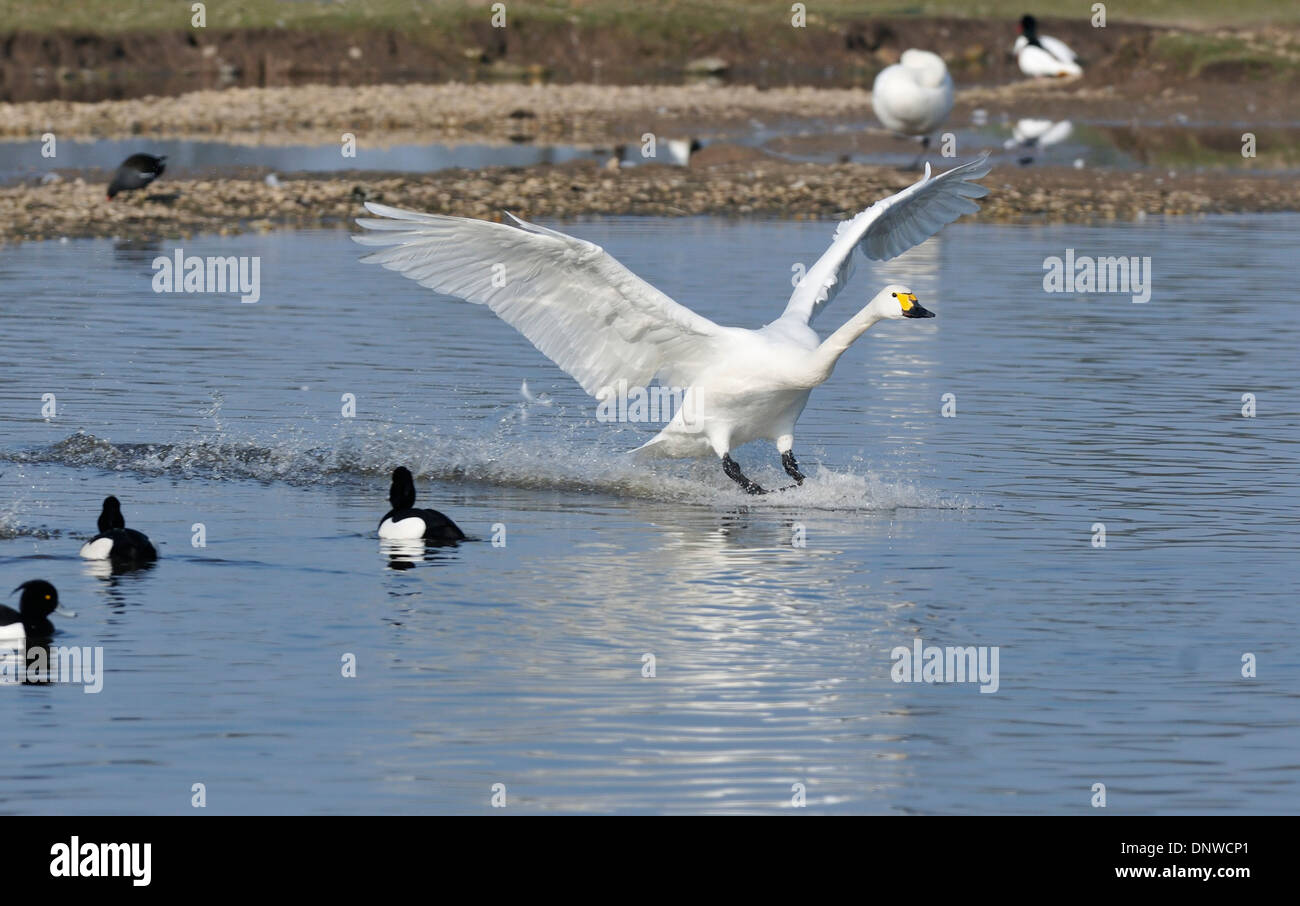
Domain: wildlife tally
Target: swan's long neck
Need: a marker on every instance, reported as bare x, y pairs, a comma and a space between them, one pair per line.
834, 346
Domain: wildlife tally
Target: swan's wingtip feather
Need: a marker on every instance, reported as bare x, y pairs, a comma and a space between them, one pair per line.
393, 213
978, 167
384, 210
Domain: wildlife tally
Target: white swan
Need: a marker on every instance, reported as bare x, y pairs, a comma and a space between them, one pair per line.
913, 96
1043, 55
604, 325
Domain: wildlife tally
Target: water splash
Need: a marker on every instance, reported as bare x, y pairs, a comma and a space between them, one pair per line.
502, 459
11, 527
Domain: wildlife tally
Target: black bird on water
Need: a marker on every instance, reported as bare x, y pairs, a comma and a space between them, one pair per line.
404, 521
125, 547
32, 619
136, 172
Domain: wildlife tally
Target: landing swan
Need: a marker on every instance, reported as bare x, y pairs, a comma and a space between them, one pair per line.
603, 325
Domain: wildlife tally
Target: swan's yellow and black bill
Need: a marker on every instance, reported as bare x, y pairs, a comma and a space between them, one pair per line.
912, 308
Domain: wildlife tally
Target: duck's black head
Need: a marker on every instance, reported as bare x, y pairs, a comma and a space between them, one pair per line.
111, 517
1029, 27
39, 600
402, 494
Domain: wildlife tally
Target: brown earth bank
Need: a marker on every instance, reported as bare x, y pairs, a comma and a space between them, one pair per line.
731, 187
765, 51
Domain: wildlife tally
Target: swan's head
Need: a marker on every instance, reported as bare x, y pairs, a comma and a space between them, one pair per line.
896, 301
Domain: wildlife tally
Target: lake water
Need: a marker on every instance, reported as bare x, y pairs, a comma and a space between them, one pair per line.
187, 158
1092, 144
522, 664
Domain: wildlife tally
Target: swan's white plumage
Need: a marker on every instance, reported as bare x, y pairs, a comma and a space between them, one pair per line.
602, 324
584, 310
887, 229
914, 95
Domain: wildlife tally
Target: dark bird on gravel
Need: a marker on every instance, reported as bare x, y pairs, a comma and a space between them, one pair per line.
136, 172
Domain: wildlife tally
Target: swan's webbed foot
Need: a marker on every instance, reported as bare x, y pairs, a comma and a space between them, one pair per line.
791, 467
732, 469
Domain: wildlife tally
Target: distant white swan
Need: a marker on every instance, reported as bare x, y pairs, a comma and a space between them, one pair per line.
602, 324
913, 96
1043, 55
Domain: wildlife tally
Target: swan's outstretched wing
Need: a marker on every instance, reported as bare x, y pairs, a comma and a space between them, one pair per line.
887, 229
586, 312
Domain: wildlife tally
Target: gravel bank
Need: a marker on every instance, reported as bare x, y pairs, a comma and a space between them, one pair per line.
387, 114
748, 188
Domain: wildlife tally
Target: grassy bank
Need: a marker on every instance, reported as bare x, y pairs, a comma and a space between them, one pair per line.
100, 50
668, 20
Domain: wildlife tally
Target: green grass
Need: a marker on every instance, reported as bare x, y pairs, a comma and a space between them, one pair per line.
664, 19
1192, 53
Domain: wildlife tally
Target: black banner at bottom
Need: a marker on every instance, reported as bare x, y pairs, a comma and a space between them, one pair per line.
330, 854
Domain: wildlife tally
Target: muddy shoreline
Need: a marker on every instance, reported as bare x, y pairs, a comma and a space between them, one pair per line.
766, 188
536, 84
388, 115
384, 115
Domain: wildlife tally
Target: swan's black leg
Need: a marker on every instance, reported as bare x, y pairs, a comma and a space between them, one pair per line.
791, 467
920, 158
733, 472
